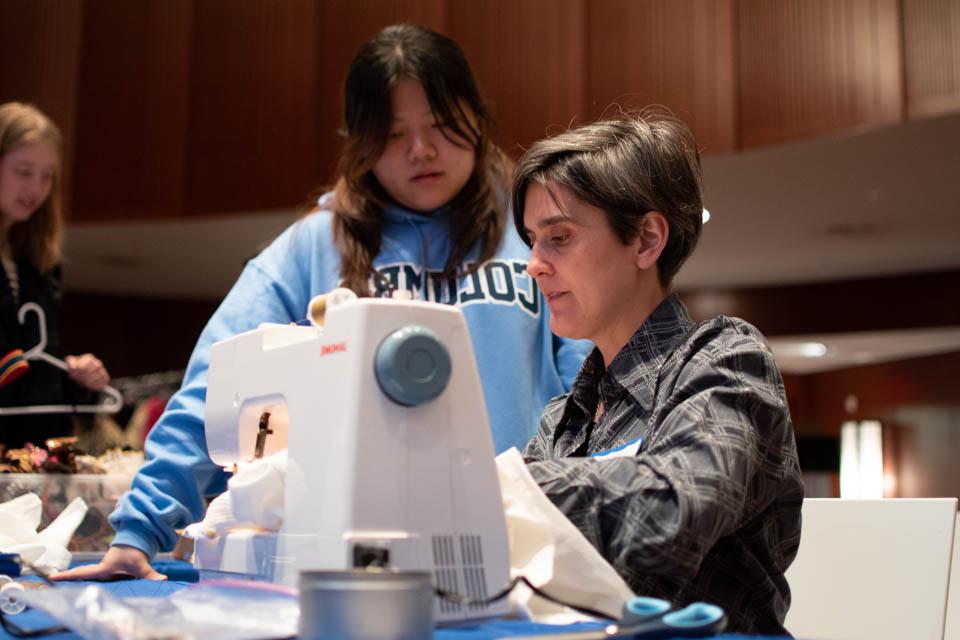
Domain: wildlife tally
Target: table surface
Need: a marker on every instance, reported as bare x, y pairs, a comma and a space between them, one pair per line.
182, 574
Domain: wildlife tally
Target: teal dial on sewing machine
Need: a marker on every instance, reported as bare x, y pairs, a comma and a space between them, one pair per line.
412, 366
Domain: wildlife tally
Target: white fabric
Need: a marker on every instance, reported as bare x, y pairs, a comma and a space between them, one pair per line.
47, 550
552, 553
253, 500
257, 492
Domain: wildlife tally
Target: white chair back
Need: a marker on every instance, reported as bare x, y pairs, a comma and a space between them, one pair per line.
952, 628
873, 569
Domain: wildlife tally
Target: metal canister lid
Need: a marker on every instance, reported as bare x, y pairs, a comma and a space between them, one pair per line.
365, 580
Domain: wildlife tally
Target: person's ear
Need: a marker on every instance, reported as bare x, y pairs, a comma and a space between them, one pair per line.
651, 239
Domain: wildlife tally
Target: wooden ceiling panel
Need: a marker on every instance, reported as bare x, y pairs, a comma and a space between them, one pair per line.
529, 58
678, 54
810, 68
251, 138
40, 49
132, 109
931, 34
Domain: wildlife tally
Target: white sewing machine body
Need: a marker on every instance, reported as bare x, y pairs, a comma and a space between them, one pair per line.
370, 481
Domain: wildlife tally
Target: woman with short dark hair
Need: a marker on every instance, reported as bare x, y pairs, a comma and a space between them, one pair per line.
674, 453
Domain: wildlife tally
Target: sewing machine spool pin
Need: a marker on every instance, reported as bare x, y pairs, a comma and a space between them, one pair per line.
263, 430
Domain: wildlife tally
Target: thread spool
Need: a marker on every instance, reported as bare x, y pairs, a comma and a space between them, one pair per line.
10, 601
317, 309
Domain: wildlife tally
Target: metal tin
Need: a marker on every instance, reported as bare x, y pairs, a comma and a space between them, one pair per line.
366, 603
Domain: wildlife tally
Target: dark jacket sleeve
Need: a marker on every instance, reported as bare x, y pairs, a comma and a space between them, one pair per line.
718, 457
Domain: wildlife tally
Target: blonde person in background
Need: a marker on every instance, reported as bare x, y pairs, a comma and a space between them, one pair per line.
30, 235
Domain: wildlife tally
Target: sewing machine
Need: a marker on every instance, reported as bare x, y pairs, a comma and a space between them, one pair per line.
390, 458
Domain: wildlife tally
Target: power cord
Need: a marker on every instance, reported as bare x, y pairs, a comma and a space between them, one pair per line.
503, 593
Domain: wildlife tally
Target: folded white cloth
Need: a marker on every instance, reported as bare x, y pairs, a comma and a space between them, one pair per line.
253, 500
552, 553
257, 491
47, 549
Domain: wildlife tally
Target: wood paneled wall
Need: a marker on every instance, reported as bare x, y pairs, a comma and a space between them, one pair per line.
931, 38
668, 52
818, 402
531, 61
251, 133
811, 67
870, 304
132, 109
188, 107
145, 335
39, 45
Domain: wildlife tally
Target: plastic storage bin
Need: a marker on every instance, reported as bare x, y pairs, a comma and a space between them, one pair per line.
56, 491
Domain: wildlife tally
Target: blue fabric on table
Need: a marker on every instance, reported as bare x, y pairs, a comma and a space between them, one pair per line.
182, 574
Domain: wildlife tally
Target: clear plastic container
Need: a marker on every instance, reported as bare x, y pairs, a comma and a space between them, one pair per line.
100, 492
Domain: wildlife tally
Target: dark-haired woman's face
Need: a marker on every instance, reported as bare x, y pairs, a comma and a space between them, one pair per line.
26, 180
424, 165
589, 277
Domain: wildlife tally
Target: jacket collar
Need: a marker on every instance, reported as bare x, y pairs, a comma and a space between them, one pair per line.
636, 367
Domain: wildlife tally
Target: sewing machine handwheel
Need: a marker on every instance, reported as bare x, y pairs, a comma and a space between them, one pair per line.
412, 366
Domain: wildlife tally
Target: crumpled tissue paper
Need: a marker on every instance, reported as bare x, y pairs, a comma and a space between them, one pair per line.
47, 549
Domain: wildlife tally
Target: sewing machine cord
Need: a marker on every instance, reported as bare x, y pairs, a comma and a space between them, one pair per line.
467, 601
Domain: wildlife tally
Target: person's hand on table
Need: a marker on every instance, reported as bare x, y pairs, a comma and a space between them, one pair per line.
117, 561
87, 371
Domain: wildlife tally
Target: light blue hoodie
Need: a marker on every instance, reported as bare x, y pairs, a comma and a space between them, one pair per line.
522, 364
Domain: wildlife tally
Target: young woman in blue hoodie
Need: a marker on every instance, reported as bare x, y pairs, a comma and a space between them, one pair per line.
420, 204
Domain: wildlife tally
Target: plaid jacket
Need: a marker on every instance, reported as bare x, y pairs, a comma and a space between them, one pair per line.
699, 495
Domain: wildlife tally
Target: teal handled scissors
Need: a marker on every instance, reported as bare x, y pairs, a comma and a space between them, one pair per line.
652, 618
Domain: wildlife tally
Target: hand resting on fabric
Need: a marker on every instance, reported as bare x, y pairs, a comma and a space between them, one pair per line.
117, 561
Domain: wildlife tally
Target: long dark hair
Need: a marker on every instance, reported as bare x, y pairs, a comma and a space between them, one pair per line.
397, 53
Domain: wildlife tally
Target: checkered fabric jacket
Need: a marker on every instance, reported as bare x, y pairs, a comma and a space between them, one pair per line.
699, 495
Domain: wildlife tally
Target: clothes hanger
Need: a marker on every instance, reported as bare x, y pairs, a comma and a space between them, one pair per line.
111, 403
